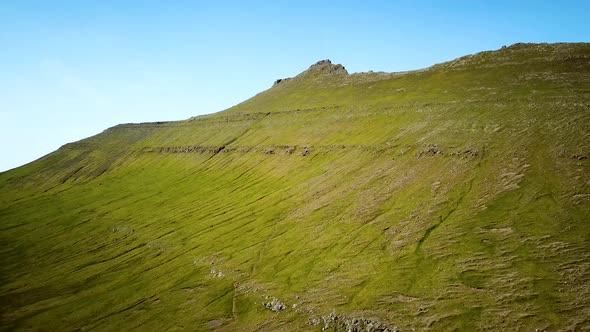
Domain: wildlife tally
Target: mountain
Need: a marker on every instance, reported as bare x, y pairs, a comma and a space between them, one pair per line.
456, 197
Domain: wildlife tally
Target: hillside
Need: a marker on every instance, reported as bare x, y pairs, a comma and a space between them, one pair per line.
455, 197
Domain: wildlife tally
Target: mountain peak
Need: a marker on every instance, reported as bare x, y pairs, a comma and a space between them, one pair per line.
321, 63
327, 66
321, 68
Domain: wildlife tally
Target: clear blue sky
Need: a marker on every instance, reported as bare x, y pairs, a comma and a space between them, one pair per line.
70, 69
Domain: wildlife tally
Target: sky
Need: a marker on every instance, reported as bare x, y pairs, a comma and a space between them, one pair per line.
71, 69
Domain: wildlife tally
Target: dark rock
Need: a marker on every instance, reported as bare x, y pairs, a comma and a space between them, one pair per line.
578, 156
327, 67
281, 80
471, 152
305, 151
322, 63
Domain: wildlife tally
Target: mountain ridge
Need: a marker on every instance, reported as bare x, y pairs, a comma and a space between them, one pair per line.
454, 197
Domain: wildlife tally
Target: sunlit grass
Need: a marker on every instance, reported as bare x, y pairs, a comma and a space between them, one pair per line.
451, 198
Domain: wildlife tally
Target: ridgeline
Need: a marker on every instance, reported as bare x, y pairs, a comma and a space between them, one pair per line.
456, 197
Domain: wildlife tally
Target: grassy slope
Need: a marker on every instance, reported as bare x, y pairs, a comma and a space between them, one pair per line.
454, 197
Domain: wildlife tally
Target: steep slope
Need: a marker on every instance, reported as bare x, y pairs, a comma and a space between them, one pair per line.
455, 197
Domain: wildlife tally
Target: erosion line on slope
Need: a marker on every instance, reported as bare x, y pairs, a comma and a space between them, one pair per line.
442, 219
234, 309
426, 235
221, 148
71, 174
265, 244
94, 262
245, 131
214, 300
135, 304
323, 109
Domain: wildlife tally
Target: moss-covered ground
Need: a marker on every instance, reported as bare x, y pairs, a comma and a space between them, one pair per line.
451, 198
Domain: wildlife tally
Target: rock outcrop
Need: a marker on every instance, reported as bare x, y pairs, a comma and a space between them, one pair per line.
320, 68
281, 80
326, 67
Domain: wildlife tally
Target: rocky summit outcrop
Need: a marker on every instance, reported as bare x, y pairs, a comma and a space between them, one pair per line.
327, 67
320, 68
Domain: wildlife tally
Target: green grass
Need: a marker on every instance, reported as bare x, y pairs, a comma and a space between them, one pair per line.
453, 198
